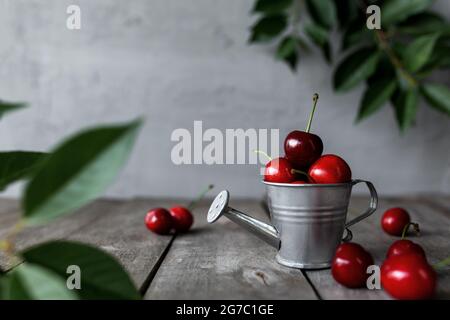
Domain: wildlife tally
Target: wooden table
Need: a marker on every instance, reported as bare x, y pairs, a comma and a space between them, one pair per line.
223, 261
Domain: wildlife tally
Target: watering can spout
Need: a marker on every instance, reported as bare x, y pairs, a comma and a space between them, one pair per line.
262, 230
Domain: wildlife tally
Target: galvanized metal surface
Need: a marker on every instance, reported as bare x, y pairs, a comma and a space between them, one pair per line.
308, 220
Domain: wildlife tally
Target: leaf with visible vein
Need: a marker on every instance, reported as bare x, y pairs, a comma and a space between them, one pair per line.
355, 68
78, 171
102, 277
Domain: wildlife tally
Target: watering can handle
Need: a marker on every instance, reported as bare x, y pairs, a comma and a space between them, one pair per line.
371, 209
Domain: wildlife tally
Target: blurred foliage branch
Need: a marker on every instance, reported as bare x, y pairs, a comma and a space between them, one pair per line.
394, 61
75, 172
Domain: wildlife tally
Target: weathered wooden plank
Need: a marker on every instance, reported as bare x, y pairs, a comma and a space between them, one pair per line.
434, 239
223, 261
58, 229
120, 230
115, 226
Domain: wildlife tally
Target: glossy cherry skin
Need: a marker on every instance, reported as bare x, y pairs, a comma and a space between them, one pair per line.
279, 170
408, 277
404, 246
302, 148
182, 218
159, 221
330, 168
349, 265
394, 221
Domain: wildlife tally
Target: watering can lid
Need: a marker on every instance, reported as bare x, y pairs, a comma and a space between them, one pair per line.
218, 206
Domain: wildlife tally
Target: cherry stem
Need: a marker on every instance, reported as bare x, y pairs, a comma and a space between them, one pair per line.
264, 154
303, 173
194, 202
406, 228
311, 115
442, 263
299, 172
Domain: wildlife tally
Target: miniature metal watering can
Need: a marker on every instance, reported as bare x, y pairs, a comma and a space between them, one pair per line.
308, 220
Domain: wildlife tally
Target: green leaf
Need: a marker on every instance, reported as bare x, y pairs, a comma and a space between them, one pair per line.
78, 171
418, 52
268, 28
319, 36
438, 96
323, 12
287, 51
102, 277
347, 11
271, 6
397, 10
423, 23
375, 96
439, 59
356, 34
32, 282
355, 68
405, 103
6, 107
17, 165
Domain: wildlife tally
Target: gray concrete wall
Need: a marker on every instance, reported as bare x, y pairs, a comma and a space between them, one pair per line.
176, 61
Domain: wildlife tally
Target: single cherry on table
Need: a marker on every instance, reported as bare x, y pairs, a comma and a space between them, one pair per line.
159, 221
404, 246
330, 168
395, 221
302, 148
349, 265
408, 277
182, 218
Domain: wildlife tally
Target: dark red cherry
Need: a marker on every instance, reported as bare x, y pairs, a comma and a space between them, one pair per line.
404, 246
159, 221
349, 265
302, 148
182, 218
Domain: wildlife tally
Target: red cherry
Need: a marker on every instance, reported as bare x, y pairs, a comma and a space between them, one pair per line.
349, 265
395, 220
159, 221
182, 218
404, 246
279, 170
302, 148
299, 182
408, 277
330, 168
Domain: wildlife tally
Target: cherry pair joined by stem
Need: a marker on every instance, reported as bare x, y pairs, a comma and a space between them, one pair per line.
178, 218
162, 221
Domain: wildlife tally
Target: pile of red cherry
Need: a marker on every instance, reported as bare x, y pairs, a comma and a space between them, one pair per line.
304, 162
178, 218
405, 273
